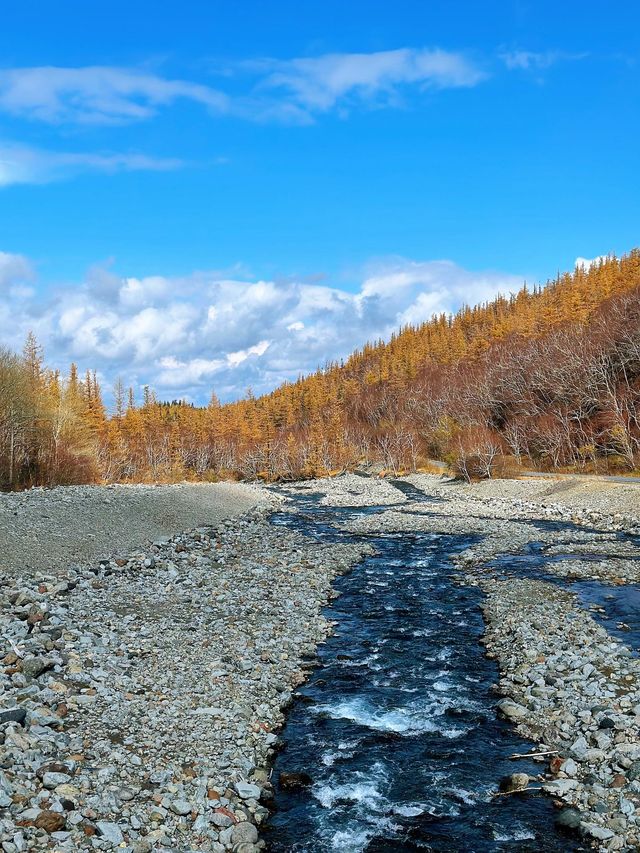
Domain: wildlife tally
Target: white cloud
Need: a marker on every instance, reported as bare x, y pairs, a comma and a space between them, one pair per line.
587, 263
21, 164
318, 84
15, 270
531, 60
96, 94
185, 336
289, 90
293, 90
236, 358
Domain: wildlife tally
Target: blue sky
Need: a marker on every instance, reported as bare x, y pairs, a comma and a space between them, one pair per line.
204, 194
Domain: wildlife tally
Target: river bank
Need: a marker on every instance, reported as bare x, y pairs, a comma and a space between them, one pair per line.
570, 684
51, 529
142, 693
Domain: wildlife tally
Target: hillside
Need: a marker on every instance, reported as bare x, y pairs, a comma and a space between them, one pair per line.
546, 378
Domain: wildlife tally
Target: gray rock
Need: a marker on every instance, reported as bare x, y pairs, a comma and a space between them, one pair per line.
247, 791
596, 831
560, 787
514, 782
511, 711
109, 832
221, 819
569, 819
181, 807
569, 767
579, 748
244, 833
52, 780
34, 667
13, 715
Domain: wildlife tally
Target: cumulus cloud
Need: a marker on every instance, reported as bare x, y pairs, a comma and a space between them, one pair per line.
22, 164
186, 336
96, 94
15, 271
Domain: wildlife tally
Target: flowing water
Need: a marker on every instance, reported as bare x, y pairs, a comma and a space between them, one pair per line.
396, 726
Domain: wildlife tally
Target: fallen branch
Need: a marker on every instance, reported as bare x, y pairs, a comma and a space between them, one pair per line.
533, 754
517, 791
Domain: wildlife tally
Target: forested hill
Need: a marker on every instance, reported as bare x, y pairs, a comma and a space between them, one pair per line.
546, 378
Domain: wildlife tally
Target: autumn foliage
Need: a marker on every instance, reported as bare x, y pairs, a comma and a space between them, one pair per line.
548, 378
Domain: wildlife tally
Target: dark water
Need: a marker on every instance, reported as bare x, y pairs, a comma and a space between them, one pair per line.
618, 606
396, 726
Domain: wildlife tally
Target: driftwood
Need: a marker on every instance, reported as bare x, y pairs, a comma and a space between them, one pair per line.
533, 754
517, 791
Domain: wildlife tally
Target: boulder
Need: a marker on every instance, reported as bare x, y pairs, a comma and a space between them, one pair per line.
293, 781
511, 711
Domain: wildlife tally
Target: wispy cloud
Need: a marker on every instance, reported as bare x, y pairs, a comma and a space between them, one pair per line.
186, 335
319, 84
21, 164
96, 94
531, 60
292, 89
278, 89
298, 90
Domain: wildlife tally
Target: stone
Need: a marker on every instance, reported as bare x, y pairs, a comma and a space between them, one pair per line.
579, 748
244, 833
247, 791
34, 667
52, 780
569, 767
223, 818
50, 821
560, 787
514, 782
292, 781
13, 715
633, 772
109, 831
511, 711
181, 807
596, 831
569, 819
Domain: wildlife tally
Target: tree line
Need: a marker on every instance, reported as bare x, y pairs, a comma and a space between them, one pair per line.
548, 378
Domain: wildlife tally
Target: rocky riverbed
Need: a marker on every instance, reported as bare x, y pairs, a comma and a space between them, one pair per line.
51, 529
574, 690
570, 686
141, 694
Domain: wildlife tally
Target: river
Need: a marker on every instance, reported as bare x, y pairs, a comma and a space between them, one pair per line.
396, 725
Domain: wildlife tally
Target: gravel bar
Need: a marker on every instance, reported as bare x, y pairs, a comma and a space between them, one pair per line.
50, 529
146, 671
141, 695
